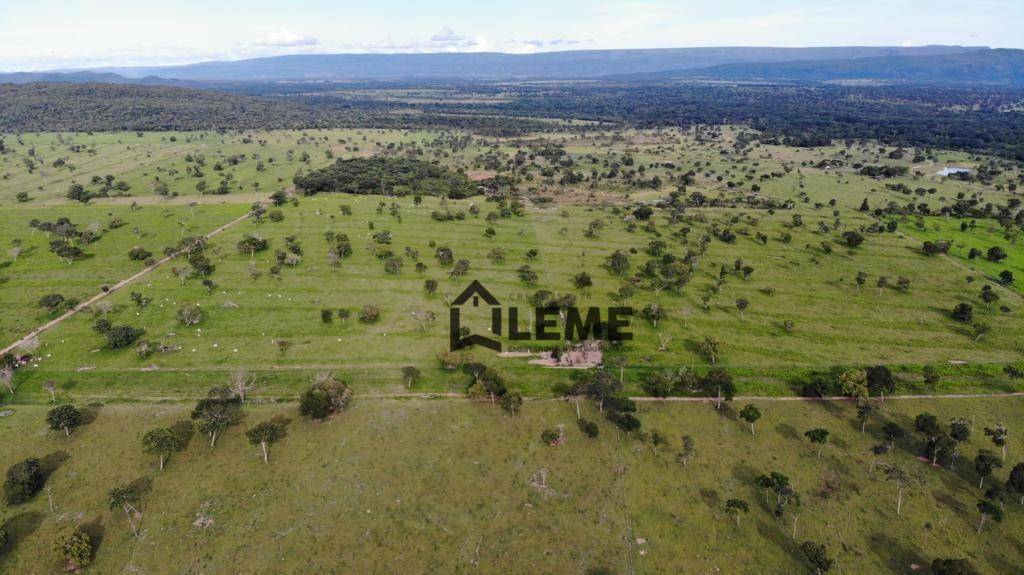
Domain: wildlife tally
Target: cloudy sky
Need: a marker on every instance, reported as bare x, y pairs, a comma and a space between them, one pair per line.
44, 34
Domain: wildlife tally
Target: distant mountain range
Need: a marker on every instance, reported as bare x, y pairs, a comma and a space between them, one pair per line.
926, 63
1000, 67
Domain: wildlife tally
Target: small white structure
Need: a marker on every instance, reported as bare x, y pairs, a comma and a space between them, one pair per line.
949, 171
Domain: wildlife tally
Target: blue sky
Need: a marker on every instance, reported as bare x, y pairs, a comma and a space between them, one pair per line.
41, 34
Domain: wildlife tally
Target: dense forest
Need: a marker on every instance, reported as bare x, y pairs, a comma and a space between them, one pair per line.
930, 116
393, 176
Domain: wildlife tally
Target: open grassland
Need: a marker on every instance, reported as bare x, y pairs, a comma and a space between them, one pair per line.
984, 235
835, 321
794, 283
35, 272
445, 486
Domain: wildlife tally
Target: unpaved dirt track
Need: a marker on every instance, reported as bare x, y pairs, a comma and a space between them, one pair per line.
85, 304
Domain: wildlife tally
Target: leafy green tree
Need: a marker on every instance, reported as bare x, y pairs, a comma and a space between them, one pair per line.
589, 428
880, 380
1015, 482
902, 479
854, 383
736, 507
998, 434
64, 417
511, 401
985, 463
893, 432
265, 434
817, 436
126, 499
989, 510
711, 347
162, 442
817, 556
864, 411
327, 396
963, 312
750, 413
24, 479
927, 424
582, 280
74, 548
410, 374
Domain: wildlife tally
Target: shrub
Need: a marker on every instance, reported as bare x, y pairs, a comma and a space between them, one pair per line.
327, 396
74, 548
122, 335
24, 480
589, 428
369, 314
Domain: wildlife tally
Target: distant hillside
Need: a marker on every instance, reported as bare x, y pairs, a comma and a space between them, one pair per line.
1002, 67
488, 65
107, 107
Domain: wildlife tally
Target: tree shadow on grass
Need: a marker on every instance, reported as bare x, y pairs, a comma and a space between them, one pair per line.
711, 498
897, 556
96, 532
91, 412
18, 528
773, 533
49, 464
787, 431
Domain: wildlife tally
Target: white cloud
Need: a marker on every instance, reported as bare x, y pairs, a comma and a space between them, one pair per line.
287, 38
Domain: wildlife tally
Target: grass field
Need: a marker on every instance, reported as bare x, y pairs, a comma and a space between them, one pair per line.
430, 483
834, 321
444, 486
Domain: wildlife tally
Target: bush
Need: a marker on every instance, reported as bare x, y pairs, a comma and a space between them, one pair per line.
24, 480
327, 396
369, 314
550, 436
139, 254
122, 335
74, 548
589, 428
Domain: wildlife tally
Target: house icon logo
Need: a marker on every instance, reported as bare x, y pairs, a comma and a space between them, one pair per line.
475, 292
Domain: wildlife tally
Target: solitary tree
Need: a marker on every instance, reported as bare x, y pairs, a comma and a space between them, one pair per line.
893, 432
711, 348
1015, 482
864, 411
988, 509
998, 434
265, 434
241, 382
688, 450
162, 442
902, 479
126, 498
985, 463
51, 386
817, 556
742, 304
74, 548
750, 414
735, 507
512, 401
65, 417
818, 436
410, 374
